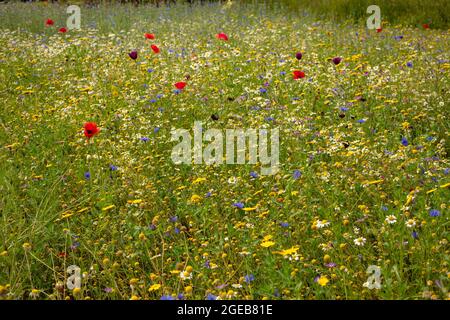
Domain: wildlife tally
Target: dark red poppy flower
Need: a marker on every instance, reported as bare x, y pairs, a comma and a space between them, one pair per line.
49, 22
155, 48
337, 60
180, 85
90, 129
222, 36
379, 30
133, 54
62, 30
150, 36
299, 55
298, 74
426, 26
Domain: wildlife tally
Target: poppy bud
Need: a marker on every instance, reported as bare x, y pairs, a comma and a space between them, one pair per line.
133, 54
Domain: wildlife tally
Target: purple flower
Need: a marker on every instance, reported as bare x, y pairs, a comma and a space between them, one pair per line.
337, 60
405, 141
156, 129
297, 174
263, 90
167, 297
150, 70
180, 296
398, 37
112, 167
330, 265
361, 121
409, 64
108, 290
284, 224
133, 54
87, 175
173, 219
239, 205
344, 109
415, 235
249, 278
253, 174
384, 208
152, 227
145, 139
435, 213
299, 55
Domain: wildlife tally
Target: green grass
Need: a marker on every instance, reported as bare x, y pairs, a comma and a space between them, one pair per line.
118, 226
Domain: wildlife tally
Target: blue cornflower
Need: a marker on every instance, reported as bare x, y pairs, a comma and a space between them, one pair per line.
167, 297
253, 174
211, 297
249, 278
405, 141
156, 129
435, 213
284, 224
239, 205
263, 90
361, 121
87, 175
415, 235
112, 167
409, 64
145, 139
150, 70
297, 174
343, 109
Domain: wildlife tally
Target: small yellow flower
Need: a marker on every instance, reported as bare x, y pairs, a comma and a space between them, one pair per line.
27, 246
134, 297
154, 287
188, 289
195, 198
267, 244
323, 280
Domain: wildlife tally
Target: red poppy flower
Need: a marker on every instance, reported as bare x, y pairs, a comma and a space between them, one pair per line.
49, 22
379, 30
180, 85
298, 74
90, 129
150, 36
155, 48
426, 26
62, 30
222, 36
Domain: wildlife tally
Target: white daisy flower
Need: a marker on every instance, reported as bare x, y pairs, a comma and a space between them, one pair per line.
391, 219
360, 241
411, 223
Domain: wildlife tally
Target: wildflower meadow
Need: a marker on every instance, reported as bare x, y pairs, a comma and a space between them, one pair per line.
221, 150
